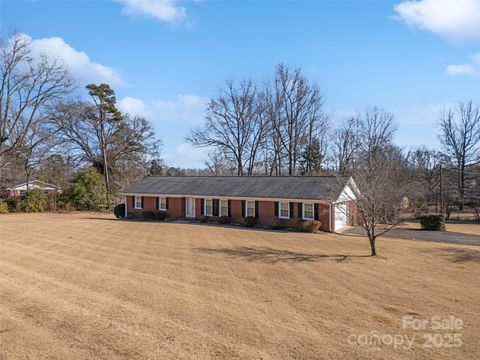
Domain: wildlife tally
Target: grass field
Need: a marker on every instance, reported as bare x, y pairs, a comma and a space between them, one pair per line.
83, 286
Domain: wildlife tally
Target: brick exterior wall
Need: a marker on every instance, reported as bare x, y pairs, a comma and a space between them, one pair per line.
324, 217
198, 208
236, 211
16, 193
266, 209
353, 213
176, 206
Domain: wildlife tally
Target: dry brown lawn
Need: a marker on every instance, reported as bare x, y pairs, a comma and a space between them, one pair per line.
84, 286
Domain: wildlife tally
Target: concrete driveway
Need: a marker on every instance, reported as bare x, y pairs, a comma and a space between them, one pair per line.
422, 235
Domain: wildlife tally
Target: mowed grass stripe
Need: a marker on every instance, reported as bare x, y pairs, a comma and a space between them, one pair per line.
59, 269
91, 317
196, 291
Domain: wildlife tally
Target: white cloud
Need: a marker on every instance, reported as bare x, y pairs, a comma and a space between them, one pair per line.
472, 68
172, 120
184, 110
462, 69
187, 156
418, 125
78, 62
163, 10
134, 106
476, 58
427, 114
451, 19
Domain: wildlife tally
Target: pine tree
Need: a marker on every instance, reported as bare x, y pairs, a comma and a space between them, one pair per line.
311, 158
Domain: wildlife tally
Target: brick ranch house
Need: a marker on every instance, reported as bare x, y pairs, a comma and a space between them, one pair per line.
328, 199
20, 189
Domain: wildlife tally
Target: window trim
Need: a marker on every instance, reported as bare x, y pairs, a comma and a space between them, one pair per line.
246, 208
205, 207
220, 213
136, 202
280, 209
160, 203
303, 211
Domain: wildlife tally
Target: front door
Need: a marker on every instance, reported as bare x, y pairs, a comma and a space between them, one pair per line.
190, 208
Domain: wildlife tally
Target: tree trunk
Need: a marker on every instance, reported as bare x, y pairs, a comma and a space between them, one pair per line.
462, 185
372, 246
104, 155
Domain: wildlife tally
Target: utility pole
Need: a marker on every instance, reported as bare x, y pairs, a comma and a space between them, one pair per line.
441, 190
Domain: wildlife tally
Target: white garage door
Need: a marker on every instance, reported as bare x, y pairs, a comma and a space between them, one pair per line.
341, 215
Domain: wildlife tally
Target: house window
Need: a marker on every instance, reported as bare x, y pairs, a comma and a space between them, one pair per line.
284, 210
138, 202
208, 207
162, 203
308, 212
223, 207
250, 208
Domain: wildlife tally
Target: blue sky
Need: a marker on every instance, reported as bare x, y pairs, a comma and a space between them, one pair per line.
166, 58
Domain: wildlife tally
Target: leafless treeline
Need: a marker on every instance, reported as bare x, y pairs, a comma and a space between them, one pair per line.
278, 128
282, 128
46, 121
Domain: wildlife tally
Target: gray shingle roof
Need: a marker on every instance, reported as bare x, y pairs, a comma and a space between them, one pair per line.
279, 187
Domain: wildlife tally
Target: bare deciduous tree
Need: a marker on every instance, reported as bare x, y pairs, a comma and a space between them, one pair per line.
460, 137
346, 143
316, 144
379, 174
234, 125
377, 128
423, 169
298, 114
28, 85
382, 186
127, 142
219, 164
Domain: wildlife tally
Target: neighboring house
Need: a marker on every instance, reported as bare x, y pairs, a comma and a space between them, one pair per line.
19, 190
328, 199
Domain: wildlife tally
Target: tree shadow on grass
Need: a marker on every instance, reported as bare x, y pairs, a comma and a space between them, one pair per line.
100, 218
458, 255
269, 255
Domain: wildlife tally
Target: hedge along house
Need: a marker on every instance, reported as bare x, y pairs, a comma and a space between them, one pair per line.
271, 199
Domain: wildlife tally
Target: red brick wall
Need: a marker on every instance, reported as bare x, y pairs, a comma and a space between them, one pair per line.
198, 208
236, 211
176, 207
13, 193
353, 213
266, 210
176, 210
16, 193
149, 204
324, 217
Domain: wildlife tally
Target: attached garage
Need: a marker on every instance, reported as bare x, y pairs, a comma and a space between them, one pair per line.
344, 208
341, 215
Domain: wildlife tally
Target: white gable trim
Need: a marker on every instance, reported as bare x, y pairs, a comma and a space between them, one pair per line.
34, 184
349, 192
